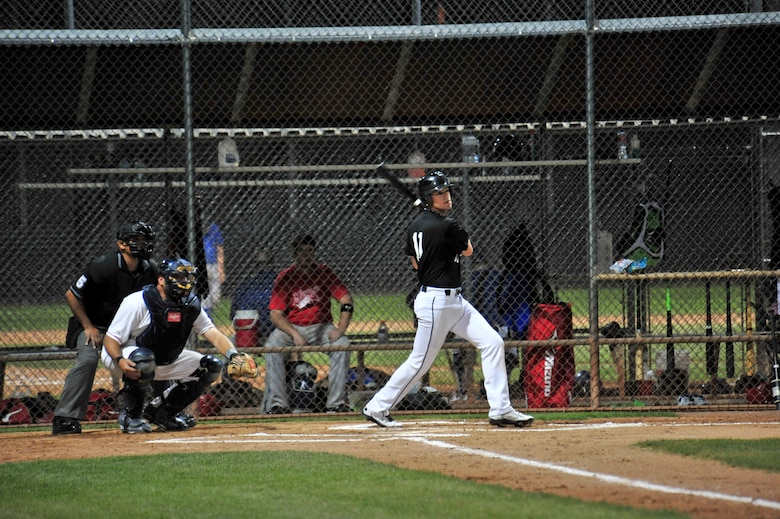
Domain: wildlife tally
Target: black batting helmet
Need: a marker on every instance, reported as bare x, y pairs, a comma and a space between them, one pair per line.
139, 237
430, 183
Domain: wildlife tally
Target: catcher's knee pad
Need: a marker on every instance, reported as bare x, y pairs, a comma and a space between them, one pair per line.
145, 363
211, 367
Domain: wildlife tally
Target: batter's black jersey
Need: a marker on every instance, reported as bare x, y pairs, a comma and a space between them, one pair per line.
436, 243
106, 281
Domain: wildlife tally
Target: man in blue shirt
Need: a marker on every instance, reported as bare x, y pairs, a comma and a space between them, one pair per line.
213, 245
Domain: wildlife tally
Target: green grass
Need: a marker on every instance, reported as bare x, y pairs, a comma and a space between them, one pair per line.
750, 454
14, 318
268, 484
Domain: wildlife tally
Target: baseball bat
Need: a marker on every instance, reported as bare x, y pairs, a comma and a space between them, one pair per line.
394, 181
712, 348
729, 345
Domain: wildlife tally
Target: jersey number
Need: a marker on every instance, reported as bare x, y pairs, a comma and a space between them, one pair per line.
417, 240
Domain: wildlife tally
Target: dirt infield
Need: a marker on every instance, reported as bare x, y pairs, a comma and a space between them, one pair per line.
595, 460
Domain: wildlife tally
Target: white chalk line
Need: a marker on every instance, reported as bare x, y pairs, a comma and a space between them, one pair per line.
425, 436
607, 478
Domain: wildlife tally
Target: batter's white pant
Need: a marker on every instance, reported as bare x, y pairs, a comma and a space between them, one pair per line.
438, 314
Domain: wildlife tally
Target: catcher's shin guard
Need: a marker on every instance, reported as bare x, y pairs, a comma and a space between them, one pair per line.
133, 396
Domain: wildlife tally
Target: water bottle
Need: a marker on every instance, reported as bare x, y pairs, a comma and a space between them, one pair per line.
383, 333
228, 154
622, 140
470, 145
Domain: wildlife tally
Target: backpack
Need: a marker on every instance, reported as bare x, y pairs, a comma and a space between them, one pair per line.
549, 370
101, 406
14, 411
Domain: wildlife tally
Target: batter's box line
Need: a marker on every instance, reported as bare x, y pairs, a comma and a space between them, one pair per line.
606, 478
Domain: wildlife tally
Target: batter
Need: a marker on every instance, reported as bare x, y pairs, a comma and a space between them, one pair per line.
435, 244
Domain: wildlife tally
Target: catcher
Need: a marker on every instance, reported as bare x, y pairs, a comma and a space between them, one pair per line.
146, 340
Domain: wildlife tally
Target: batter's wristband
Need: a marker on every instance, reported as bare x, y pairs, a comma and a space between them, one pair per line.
347, 308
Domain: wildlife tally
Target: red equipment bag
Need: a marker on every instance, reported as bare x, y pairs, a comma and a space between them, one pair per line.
13, 411
245, 323
549, 370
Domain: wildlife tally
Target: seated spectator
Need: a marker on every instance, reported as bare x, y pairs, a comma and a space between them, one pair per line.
300, 311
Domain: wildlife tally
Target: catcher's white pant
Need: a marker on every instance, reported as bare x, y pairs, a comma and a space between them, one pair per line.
437, 314
181, 369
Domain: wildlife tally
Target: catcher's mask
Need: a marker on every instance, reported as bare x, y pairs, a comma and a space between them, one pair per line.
139, 238
431, 183
179, 277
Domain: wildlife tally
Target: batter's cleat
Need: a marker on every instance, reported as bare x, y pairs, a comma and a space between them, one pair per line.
133, 425
65, 425
381, 419
512, 419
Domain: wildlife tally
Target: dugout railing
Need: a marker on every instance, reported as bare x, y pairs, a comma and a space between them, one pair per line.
624, 370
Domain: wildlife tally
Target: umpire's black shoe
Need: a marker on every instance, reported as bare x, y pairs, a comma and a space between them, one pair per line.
65, 425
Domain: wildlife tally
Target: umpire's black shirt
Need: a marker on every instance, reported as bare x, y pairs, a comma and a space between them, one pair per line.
106, 281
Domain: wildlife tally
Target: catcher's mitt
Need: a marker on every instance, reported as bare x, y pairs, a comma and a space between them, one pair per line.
242, 365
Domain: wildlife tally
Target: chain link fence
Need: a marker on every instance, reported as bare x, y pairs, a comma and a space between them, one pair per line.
578, 134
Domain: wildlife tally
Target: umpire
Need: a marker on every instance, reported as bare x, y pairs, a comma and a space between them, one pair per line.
94, 299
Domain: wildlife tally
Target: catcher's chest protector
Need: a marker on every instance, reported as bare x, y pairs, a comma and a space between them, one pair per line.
549, 370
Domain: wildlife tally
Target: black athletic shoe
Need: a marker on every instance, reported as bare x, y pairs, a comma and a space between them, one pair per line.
277, 409
341, 408
65, 425
188, 419
170, 423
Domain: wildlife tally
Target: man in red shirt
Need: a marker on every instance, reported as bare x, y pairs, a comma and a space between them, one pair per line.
300, 311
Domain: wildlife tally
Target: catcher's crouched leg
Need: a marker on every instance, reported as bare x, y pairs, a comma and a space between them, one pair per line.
133, 394
165, 410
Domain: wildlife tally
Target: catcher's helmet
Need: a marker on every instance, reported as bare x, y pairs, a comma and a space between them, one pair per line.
303, 382
431, 183
139, 237
179, 277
